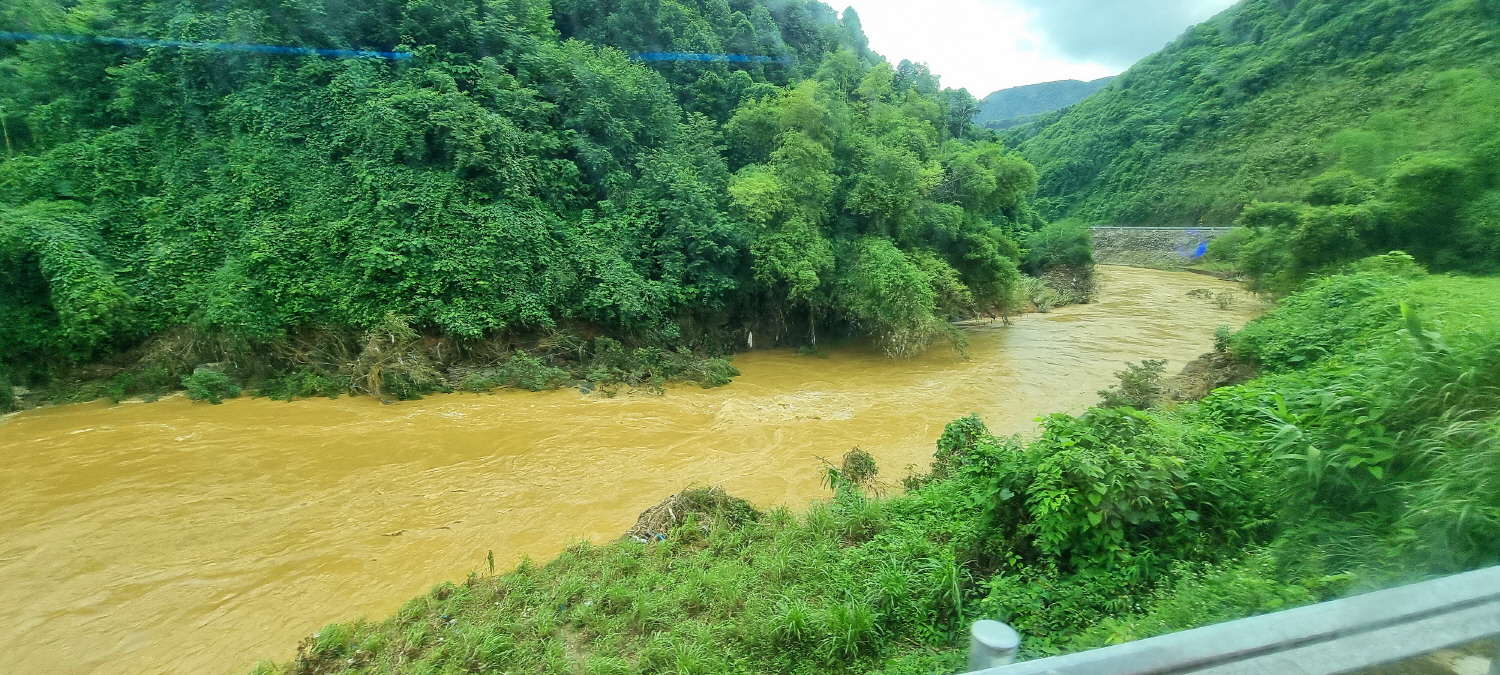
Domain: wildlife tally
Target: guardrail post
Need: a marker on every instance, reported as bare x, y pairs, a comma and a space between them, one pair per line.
992, 644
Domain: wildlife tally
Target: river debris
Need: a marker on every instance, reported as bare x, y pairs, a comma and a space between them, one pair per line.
705, 507
1200, 378
857, 470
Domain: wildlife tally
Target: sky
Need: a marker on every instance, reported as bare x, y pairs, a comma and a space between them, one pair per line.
988, 45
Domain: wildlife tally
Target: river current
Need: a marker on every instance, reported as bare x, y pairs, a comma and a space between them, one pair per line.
179, 537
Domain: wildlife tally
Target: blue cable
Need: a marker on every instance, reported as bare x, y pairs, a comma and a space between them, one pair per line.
209, 46
350, 53
721, 58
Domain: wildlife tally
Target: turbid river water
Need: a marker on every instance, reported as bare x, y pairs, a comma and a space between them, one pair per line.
179, 537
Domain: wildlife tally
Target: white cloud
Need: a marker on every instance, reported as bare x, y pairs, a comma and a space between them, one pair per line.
987, 45
1118, 32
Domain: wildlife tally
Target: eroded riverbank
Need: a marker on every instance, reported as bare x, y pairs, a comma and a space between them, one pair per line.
179, 537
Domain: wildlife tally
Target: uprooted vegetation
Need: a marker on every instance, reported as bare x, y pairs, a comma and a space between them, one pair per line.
391, 361
1366, 455
701, 509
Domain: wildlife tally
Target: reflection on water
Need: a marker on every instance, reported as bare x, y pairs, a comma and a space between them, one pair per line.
175, 537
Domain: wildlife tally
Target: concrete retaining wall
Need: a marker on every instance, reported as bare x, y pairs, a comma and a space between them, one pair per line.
1156, 247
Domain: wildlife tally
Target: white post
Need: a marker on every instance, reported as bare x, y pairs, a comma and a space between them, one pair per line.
992, 644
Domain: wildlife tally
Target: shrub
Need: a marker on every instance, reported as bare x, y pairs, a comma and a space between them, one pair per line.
151, 381
1138, 388
524, 371
1115, 488
1062, 244
715, 372
653, 367
1223, 335
393, 362
477, 383
1333, 315
7, 395
210, 385
303, 384
859, 467
1227, 248
1036, 292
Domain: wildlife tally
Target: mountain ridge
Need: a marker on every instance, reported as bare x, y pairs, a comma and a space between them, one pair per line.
1245, 106
1006, 108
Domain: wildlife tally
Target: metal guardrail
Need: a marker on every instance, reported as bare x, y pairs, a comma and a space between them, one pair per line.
1341, 636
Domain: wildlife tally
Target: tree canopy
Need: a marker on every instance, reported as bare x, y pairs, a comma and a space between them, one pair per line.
521, 173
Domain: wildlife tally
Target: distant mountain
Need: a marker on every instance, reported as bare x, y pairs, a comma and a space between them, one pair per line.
1318, 102
1009, 107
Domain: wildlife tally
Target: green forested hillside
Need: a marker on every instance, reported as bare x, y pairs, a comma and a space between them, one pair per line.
1369, 125
1008, 107
520, 176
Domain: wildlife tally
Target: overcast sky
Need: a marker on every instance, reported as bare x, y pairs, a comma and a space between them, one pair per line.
987, 45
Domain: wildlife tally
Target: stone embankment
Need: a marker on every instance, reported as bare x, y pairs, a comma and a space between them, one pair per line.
1154, 247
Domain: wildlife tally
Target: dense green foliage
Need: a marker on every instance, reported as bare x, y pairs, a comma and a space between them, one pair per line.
1368, 456
1065, 243
1139, 386
210, 385
520, 177
1335, 130
1008, 107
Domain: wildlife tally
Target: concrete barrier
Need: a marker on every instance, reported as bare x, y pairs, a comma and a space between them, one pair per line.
1156, 247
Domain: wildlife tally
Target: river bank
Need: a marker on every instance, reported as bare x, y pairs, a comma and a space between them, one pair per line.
180, 537
1364, 457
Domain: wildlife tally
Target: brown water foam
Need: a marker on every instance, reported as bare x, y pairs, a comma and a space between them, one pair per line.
175, 537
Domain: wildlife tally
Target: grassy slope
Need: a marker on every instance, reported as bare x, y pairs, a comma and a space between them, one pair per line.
1113, 526
1257, 102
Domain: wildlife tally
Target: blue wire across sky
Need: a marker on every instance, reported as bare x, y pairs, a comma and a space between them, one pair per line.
721, 58
209, 46
347, 53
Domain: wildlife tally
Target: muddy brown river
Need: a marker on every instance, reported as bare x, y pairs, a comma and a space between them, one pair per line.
179, 537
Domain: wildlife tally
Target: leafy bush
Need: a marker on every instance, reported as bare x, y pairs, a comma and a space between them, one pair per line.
1334, 315
206, 384
1116, 488
1139, 386
1223, 338
7, 395
303, 384
151, 381
1228, 247
715, 372
1067, 244
524, 371
653, 368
